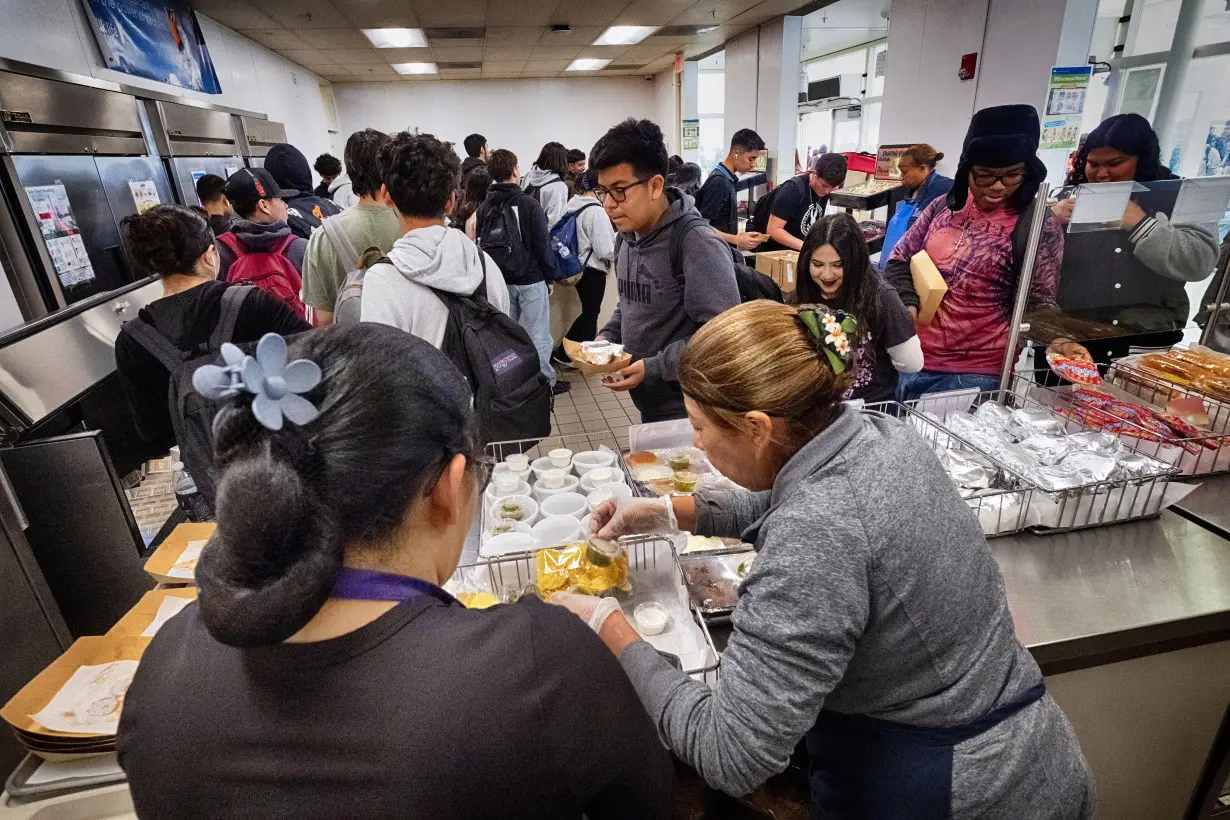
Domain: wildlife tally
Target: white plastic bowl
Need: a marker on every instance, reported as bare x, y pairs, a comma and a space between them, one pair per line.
529, 508
491, 495
556, 530
541, 464
618, 490
518, 526
585, 526
506, 544
569, 504
598, 496
592, 481
570, 486
587, 460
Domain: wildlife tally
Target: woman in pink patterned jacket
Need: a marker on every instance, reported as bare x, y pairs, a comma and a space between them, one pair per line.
975, 236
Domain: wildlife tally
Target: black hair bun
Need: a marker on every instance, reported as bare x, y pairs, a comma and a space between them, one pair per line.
166, 239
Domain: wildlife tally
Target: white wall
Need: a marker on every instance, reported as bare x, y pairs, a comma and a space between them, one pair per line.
56, 34
665, 112
520, 115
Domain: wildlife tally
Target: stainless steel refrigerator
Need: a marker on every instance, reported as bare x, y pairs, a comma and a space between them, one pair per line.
193, 142
257, 136
75, 163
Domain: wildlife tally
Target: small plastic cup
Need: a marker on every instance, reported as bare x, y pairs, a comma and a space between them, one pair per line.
685, 481
552, 479
561, 458
518, 462
506, 482
651, 618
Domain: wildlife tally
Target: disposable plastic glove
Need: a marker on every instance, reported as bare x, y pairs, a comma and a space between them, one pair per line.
594, 611
633, 516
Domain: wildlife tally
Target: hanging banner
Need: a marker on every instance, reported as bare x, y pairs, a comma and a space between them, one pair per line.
1065, 106
691, 135
156, 39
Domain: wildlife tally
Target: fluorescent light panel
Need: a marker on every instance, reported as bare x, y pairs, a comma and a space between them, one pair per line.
414, 68
396, 37
587, 64
624, 35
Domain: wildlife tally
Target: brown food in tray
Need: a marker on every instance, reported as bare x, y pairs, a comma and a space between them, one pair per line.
711, 586
642, 458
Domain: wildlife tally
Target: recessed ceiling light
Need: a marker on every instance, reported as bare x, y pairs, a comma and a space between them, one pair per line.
705, 30
414, 68
587, 64
396, 37
624, 35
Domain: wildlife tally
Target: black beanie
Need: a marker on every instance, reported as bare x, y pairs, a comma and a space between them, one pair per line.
1000, 136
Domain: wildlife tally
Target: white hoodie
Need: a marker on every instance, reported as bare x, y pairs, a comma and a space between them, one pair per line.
399, 294
553, 193
342, 192
594, 233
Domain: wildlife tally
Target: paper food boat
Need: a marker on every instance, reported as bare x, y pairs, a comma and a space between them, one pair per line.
175, 559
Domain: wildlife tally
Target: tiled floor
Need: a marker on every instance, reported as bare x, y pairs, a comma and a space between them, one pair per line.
591, 408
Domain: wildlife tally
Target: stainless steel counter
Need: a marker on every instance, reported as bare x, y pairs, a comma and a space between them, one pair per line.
1098, 596
1210, 504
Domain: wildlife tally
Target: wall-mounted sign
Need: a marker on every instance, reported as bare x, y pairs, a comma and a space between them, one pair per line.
159, 41
1065, 106
691, 135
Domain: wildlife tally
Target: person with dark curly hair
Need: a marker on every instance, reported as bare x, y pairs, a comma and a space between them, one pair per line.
177, 245
421, 175
799, 202
369, 223
330, 168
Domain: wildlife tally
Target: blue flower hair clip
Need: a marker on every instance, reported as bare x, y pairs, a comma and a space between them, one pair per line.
275, 383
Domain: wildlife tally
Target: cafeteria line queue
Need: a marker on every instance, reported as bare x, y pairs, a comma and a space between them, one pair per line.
338, 658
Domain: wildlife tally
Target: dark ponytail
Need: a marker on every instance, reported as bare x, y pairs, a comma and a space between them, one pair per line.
393, 411
166, 239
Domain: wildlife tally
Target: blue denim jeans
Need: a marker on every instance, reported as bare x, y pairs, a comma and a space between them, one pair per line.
528, 306
911, 386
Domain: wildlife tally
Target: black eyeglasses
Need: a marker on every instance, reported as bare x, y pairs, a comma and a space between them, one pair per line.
618, 193
987, 180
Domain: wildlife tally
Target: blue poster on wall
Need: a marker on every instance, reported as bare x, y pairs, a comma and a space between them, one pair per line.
155, 39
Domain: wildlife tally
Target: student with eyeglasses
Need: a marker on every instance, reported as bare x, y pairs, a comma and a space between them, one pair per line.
975, 236
659, 307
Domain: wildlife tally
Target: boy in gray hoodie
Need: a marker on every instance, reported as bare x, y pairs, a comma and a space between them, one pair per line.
659, 307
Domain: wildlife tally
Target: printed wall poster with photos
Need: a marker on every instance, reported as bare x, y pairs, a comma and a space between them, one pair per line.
59, 228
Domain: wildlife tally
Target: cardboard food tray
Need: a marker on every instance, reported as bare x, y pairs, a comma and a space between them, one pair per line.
143, 613
38, 693
160, 563
573, 349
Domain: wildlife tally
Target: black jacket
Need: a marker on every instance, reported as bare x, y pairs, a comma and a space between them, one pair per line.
718, 199
290, 169
467, 165
532, 221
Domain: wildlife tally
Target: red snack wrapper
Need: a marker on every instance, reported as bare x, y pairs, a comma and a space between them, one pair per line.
1075, 371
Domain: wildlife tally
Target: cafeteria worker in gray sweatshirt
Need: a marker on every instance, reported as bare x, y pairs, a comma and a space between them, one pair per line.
666, 290
873, 621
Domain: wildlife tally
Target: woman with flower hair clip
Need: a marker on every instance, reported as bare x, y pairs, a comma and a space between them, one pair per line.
835, 271
873, 621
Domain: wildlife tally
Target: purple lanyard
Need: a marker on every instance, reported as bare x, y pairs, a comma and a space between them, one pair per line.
370, 585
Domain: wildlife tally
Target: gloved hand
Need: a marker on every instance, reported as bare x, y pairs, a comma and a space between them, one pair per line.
594, 611
633, 516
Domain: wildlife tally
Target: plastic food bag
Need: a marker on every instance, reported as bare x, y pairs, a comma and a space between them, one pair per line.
567, 568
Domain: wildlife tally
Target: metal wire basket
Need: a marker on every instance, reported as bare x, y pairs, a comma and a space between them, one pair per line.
655, 574
1094, 504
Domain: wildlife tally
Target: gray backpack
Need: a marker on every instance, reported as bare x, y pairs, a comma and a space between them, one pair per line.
347, 307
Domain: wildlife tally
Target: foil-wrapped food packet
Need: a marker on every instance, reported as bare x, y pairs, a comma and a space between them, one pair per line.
1096, 441
969, 471
993, 414
1029, 421
1134, 465
1091, 468
1047, 449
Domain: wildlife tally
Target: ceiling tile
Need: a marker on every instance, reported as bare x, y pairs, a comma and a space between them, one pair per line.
450, 53
312, 58
546, 65
406, 55
278, 39
649, 52
503, 65
606, 52
338, 73
460, 43
579, 36
334, 38
713, 12
355, 56
652, 12
555, 52
373, 72
460, 74
236, 14
300, 14
759, 13
521, 53
451, 12
520, 12
587, 12
515, 35
378, 13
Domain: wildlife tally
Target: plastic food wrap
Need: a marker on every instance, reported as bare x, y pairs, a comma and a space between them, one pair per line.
1074, 370
713, 582
568, 568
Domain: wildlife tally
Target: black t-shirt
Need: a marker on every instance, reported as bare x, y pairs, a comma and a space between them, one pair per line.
798, 204
717, 200
188, 319
876, 378
430, 711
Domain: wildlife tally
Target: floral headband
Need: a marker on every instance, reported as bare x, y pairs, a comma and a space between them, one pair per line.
832, 329
275, 383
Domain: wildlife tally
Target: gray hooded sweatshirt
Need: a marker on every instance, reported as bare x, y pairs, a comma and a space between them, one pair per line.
659, 308
399, 294
552, 194
872, 593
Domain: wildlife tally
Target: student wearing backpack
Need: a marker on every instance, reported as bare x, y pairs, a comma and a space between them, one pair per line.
664, 295
261, 249
595, 248
718, 198
420, 179
178, 246
330, 262
307, 210
547, 181
512, 229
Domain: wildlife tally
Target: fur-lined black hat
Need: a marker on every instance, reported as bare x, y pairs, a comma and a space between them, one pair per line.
1000, 136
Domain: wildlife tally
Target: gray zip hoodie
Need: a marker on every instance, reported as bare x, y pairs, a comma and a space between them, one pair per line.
595, 233
872, 593
659, 309
553, 193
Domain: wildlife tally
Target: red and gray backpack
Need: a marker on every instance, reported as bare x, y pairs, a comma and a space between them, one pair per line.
270, 271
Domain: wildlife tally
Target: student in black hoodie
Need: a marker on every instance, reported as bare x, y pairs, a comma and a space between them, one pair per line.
290, 170
476, 155
217, 208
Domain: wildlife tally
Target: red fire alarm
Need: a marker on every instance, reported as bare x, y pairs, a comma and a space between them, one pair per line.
969, 64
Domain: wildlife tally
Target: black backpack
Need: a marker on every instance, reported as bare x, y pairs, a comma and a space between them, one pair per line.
499, 234
752, 283
512, 397
192, 415
761, 211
